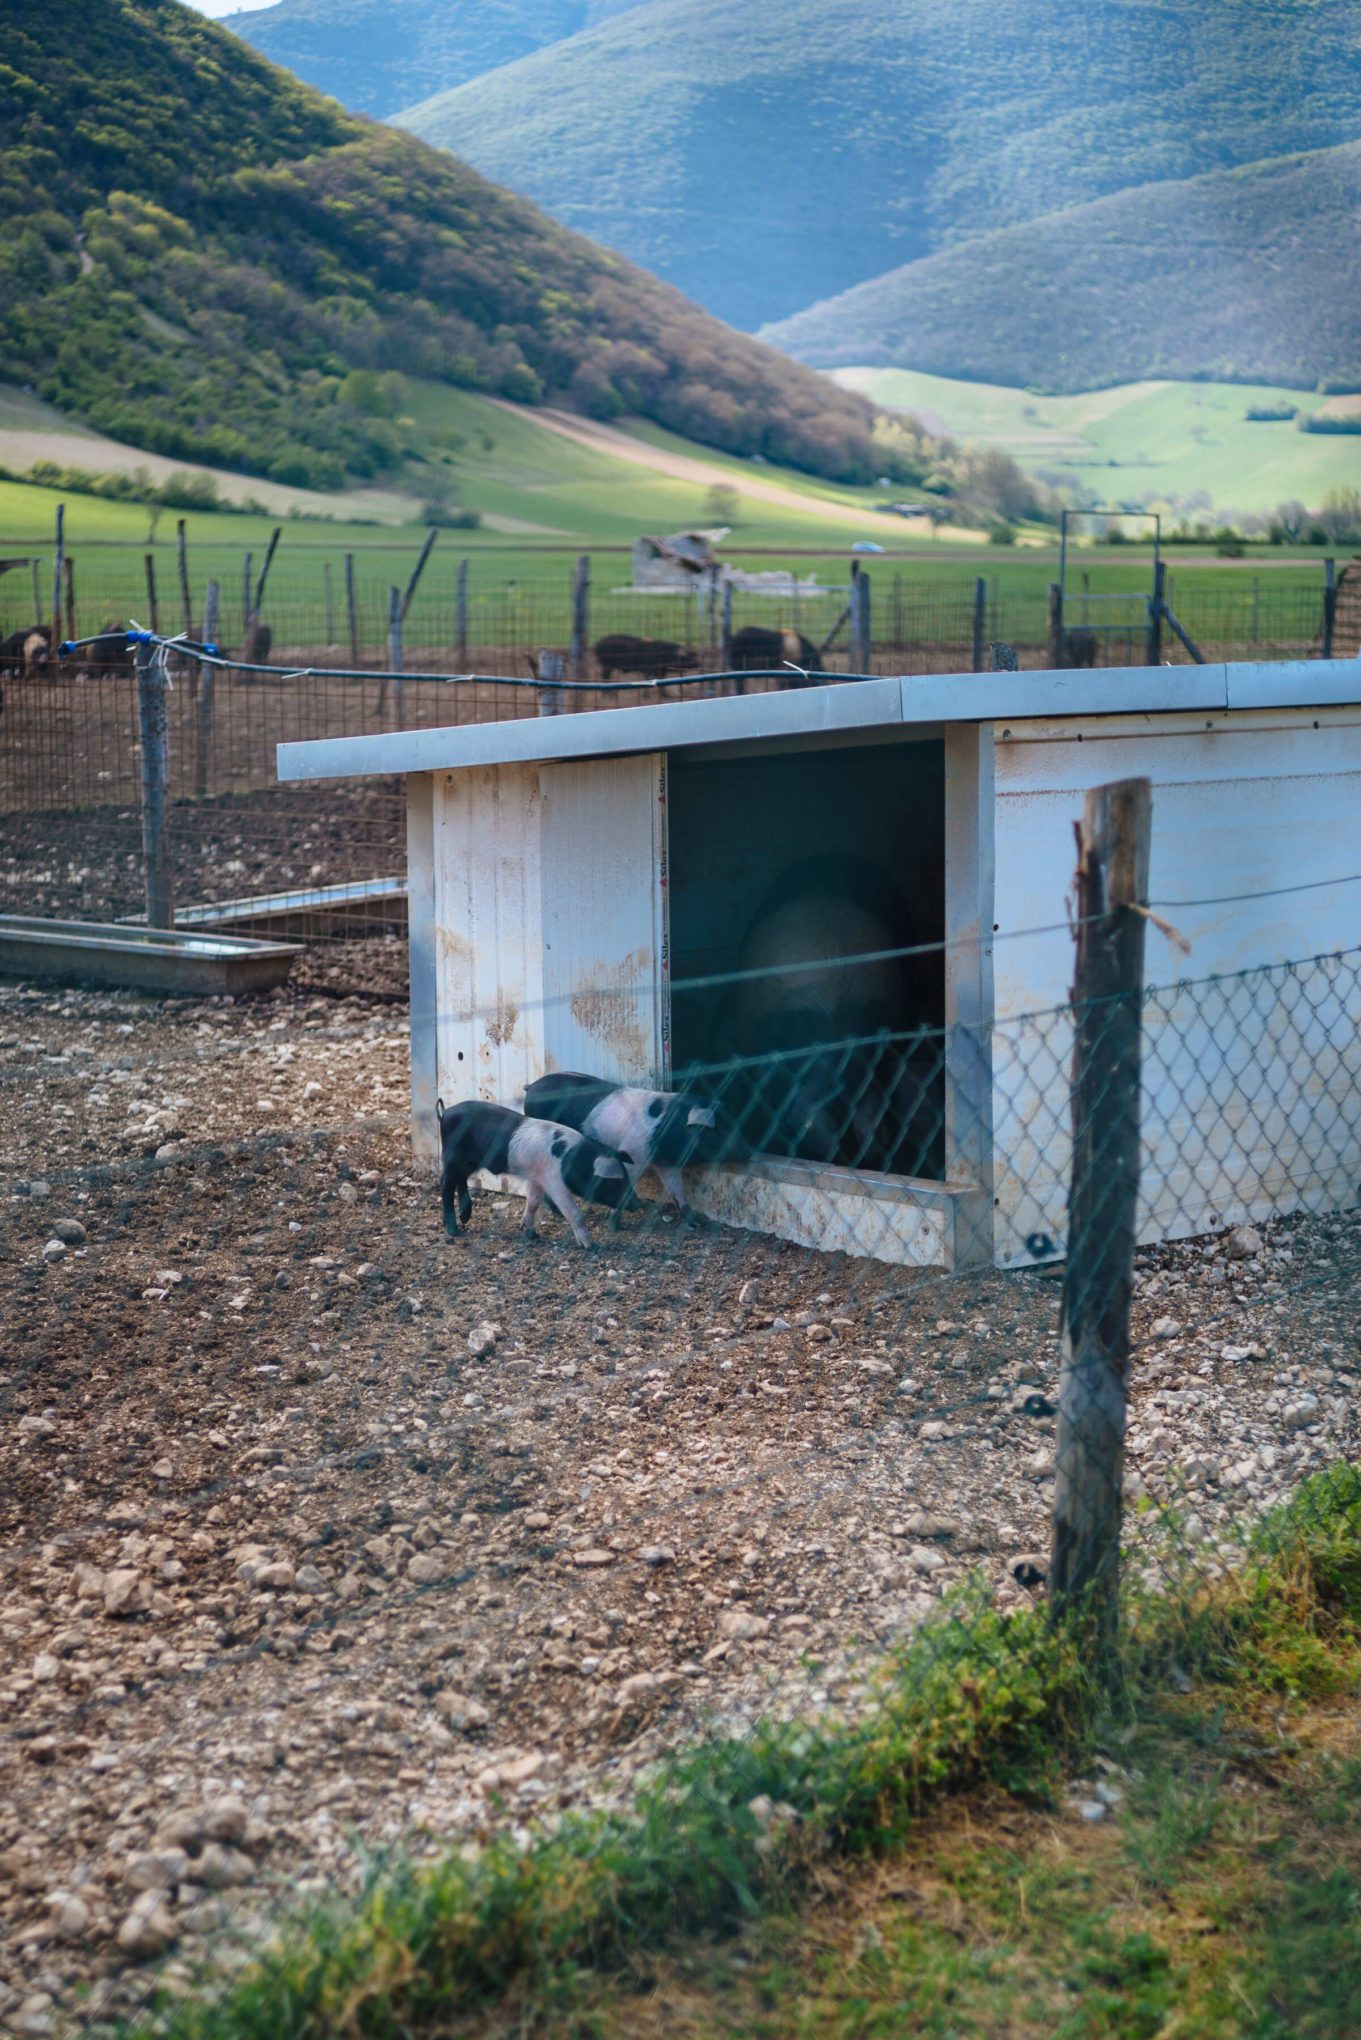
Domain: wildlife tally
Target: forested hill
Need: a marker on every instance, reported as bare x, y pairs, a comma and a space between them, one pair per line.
1244, 276
199, 255
379, 55
766, 154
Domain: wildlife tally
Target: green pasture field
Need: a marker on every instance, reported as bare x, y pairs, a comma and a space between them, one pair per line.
1148, 442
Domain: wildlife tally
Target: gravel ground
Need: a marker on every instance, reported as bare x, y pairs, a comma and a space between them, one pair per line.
316, 1527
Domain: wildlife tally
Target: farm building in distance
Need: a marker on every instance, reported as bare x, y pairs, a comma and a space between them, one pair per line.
569, 876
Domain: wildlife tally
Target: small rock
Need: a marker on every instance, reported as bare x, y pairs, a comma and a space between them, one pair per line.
279, 1575
1040, 1465
70, 1232
594, 1557
309, 1580
1242, 1243
924, 1560
482, 1339
520, 1770
226, 1820
40, 1749
426, 1567
167, 1154
126, 1592
45, 1666
220, 1867
156, 1869
36, 1427
148, 1929
934, 1428
55, 1250
739, 1625
1093, 1810
1165, 1328
87, 1582
1298, 1415
657, 1554
460, 1711
71, 1916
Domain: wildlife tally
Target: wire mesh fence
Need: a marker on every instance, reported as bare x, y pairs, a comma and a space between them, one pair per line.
335, 1547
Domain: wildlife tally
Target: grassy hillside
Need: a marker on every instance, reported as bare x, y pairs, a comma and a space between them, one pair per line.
1187, 445
378, 55
201, 257
1245, 275
766, 156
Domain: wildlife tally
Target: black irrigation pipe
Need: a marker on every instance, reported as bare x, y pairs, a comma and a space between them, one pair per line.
213, 655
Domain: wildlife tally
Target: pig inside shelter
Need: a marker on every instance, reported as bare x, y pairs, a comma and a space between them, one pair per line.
806, 898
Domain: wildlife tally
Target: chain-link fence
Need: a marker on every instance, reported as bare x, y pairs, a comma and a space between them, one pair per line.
436, 1581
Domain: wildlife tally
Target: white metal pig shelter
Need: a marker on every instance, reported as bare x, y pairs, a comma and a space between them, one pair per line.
568, 875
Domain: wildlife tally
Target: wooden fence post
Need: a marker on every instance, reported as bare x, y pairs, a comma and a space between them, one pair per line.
461, 615
207, 676
351, 614
725, 642
549, 668
154, 615
1329, 606
1112, 879
1055, 625
71, 631
394, 659
581, 615
37, 593
980, 622
1153, 630
854, 662
182, 556
247, 585
160, 905
329, 596
58, 559
864, 624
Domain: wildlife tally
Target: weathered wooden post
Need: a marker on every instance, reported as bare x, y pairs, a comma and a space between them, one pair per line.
1153, 628
581, 616
1055, 625
854, 661
351, 614
394, 658
725, 643
207, 676
712, 611
58, 563
866, 631
980, 622
1112, 884
1329, 606
37, 592
71, 632
461, 615
153, 608
151, 685
549, 668
247, 588
182, 557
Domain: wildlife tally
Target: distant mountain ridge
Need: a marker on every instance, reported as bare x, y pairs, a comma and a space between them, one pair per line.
377, 56
1249, 275
200, 256
767, 155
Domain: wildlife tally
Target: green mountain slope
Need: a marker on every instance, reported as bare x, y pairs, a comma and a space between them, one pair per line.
768, 155
378, 55
202, 257
1245, 276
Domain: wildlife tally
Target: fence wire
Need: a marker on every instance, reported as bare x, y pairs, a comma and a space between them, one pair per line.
329, 1542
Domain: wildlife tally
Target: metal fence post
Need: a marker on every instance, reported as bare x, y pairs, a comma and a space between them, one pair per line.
855, 661
351, 615
394, 658
725, 643
1329, 606
860, 661
329, 594
207, 676
71, 631
1112, 879
153, 607
980, 610
581, 615
1153, 629
247, 589
461, 614
57, 574
1055, 625
182, 558
151, 715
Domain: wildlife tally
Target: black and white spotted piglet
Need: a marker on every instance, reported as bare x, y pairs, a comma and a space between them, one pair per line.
554, 1162
662, 1130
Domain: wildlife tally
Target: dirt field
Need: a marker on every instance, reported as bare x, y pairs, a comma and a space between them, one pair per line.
314, 1525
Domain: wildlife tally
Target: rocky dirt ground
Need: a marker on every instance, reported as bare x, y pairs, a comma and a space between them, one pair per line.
318, 1530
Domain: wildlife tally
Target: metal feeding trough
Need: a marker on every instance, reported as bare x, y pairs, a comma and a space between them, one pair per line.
368, 906
183, 964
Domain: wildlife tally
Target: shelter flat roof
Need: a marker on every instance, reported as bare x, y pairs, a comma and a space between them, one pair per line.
841, 706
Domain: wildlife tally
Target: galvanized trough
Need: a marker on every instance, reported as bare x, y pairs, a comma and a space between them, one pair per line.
180, 965
365, 906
